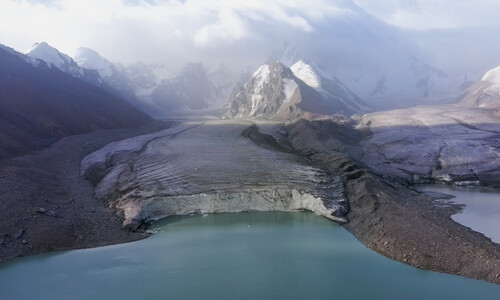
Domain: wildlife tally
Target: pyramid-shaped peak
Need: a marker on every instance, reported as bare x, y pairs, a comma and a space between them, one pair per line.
49, 54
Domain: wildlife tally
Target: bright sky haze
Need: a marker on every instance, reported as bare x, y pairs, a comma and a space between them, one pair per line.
456, 35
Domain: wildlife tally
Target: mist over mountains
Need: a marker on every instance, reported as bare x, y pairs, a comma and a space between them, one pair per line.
386, 62
288, 85
280, 62
117, 113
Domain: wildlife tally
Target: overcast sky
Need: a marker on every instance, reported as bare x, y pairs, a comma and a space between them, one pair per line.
173, 32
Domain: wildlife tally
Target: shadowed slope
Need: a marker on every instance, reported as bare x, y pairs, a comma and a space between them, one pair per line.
41, 105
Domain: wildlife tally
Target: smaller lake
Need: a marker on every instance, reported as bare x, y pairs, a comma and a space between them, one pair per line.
482, 211
233, 256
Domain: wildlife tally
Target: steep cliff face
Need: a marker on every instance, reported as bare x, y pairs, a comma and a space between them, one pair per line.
275, 92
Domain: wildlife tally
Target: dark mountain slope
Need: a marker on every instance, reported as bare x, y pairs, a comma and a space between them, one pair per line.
40, 105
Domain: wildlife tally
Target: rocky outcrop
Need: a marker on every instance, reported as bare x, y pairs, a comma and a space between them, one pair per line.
207, 168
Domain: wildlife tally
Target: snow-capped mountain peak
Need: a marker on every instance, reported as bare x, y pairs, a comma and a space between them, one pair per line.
90, 59
277, 92
492, 76
491, 80
51, 56
485, 93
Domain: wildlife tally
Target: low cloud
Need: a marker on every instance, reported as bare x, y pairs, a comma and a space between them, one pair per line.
434, 14
340, 34
228, 28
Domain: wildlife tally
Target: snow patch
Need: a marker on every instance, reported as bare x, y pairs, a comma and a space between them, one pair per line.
289, 87
307, 74
256, 101
260, 76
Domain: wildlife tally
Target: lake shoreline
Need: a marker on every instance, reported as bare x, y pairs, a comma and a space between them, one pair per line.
258, 255
47, 206
394, 219
382, 213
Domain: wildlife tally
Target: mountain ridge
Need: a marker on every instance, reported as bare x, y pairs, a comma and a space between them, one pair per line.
275, 92
41, 104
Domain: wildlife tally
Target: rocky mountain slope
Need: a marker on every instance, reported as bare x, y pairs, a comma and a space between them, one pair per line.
277, 92
485, 93
41, 103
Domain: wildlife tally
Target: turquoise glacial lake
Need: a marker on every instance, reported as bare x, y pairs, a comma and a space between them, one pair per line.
233, 256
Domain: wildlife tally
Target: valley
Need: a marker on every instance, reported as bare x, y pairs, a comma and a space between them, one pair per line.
193, 148
206, 165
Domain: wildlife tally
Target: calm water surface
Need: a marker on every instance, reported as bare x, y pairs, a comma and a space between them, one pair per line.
233, 256
482, 208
